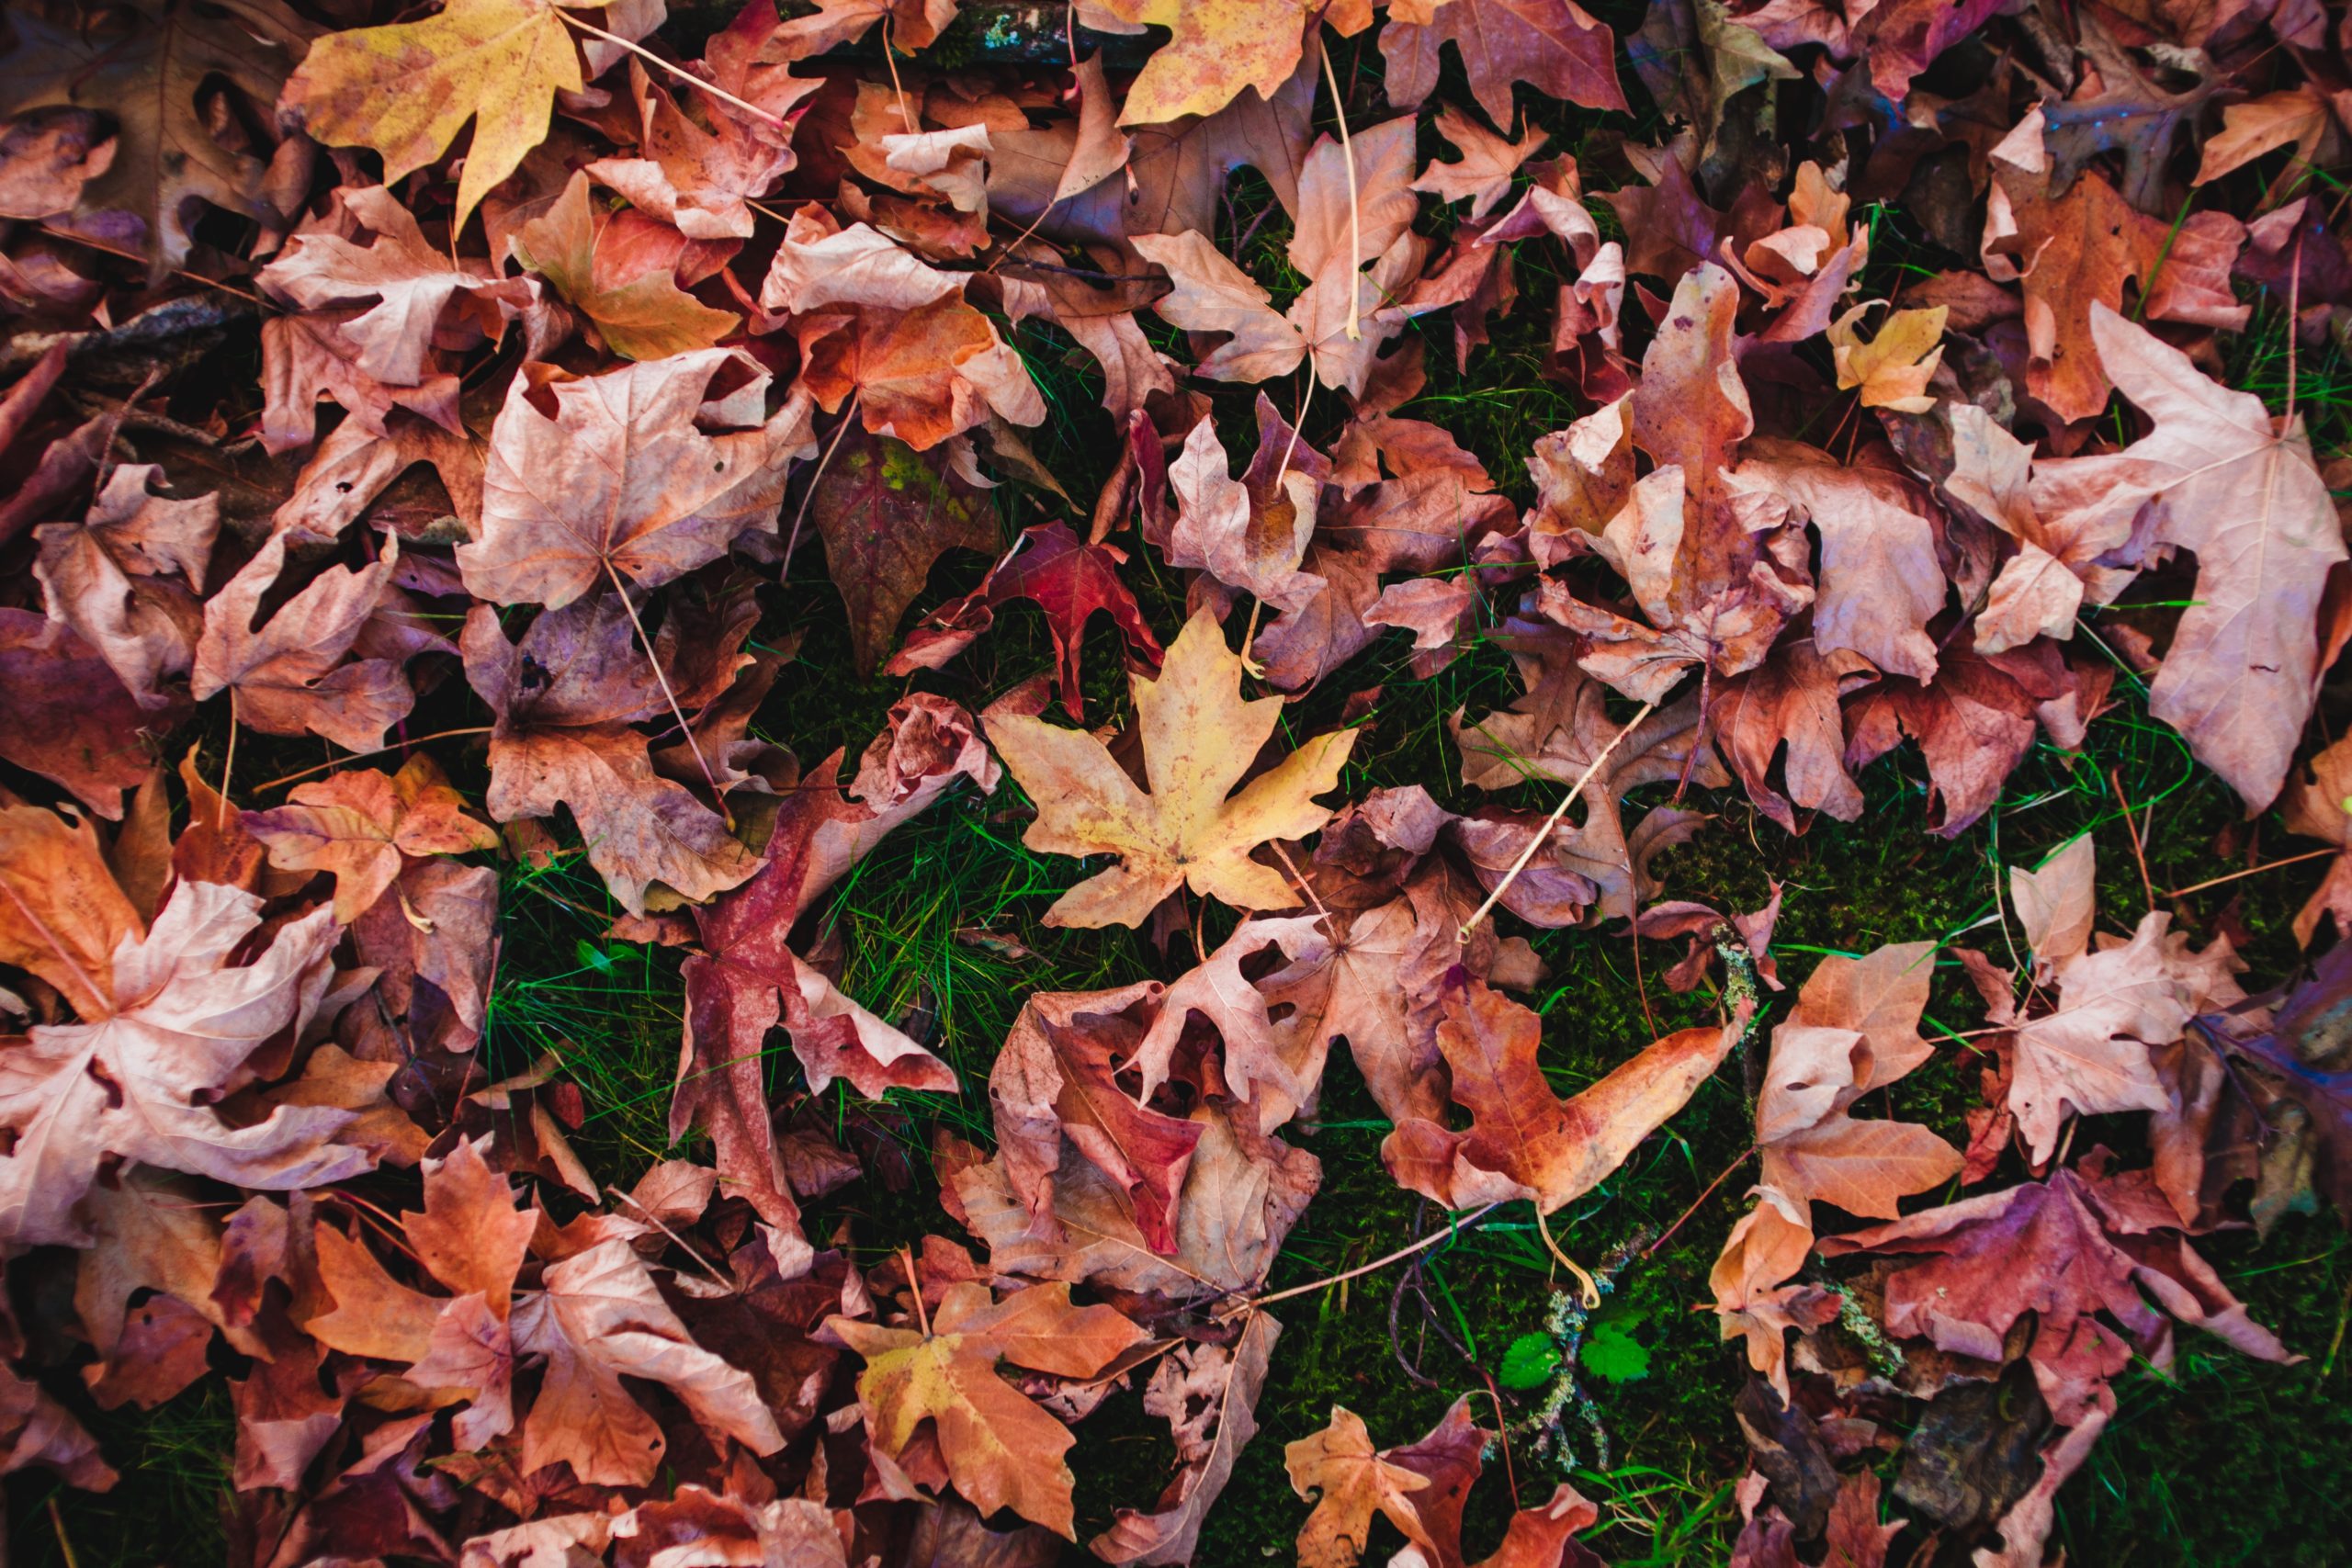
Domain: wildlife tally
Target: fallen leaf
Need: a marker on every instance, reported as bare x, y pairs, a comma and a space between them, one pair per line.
1000, 1449
1188, 829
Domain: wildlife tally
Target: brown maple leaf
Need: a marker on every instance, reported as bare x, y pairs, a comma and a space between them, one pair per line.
359, 826
125, 578
64, 715
1190, 829
1553, 45
621, 271
999, 1449
595, 477
1524, 1141
173, 1026
565, 697
1855, 1029
287, 675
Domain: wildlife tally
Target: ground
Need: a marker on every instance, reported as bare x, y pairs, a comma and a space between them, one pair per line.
2215, 1460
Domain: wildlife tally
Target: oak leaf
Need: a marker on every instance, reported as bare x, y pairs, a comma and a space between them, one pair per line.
1892, 370
1188, 829
1000, 1449
1209, 1394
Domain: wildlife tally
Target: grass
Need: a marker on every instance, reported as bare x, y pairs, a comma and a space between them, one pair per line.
2217, 1460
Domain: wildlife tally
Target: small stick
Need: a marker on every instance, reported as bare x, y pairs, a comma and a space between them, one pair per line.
2115, 783
1589, 1288
1553, 821
227, 766
681, 73
1701, 1198
1456, 1228
376, 751
716, 1278
64, 1546
1320, 912
2249, 871
661, 676
784, 573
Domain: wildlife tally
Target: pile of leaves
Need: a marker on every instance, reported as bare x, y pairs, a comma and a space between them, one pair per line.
426, 405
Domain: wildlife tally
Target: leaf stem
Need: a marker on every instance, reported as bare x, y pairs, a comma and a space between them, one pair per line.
680, 72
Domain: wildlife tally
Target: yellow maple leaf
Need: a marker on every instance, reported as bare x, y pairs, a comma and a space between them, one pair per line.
1199, 736
1218, 47
1893, 367
406, 90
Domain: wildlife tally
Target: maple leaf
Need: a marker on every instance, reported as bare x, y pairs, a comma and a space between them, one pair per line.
621, 270
65, 717
1209, 1394
1241, 1195
2315, 806
1879, 580
1055, 1079
359, 825
1892, 369
1174, 172
1330, 245
1253, 1065
287, 676
595, 477
1766, 1249
414, 286
1188, 829
699, 171
600, 1318
2078, 1251
1000, 1449
1419, 1489
2242, 671
748, 977
125, 578
1482, 173
1218, 50
1792, 698
1524, 1141
886, 513
564, 698
1855, 1029
1070, 581
174, 1026
406, 90
1972, 722
146, 67
2257, 125
1553, 45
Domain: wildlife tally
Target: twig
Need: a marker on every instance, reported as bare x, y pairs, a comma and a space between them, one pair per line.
2131, 831
227, 766
376, 751
1321, 913
57, 1522
717, 795
1749, 1154
784, 573
1553, 821
1355, 207
1251, 1304
680, 72
716, 1278
2249, 871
